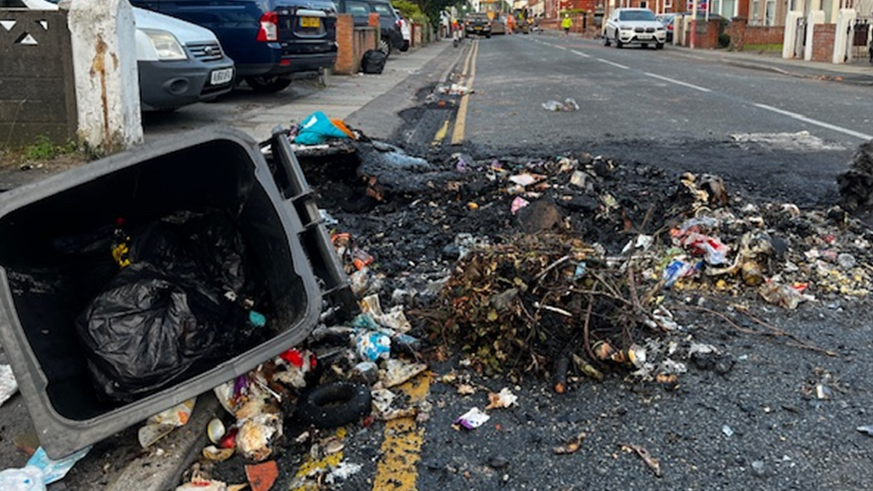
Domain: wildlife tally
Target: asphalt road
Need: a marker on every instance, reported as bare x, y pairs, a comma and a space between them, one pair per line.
663, 107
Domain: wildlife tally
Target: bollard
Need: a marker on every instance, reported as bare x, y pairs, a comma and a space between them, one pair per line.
106, 76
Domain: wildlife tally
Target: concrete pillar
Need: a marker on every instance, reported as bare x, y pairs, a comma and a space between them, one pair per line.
789, 39
842, 46
814, 17
107, 81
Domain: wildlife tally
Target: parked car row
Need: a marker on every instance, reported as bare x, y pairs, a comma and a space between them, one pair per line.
179, 63
197, 50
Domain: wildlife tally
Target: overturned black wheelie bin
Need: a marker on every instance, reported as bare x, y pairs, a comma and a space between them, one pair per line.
133, 283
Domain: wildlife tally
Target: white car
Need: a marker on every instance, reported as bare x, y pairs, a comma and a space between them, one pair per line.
634, 26
179, 63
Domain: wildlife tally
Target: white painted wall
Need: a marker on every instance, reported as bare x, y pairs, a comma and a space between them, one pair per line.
814, 17
842, 46
790, 38
107, 82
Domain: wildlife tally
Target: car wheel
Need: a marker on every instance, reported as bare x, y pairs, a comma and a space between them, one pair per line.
606, 40
618, 43
659, 46
268, 84
488, 36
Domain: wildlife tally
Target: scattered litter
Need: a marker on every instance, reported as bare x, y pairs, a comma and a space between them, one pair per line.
262, 476
644, 454
453, 89
8, 385
372, 346
517, 204
784, 296
502, 399
215, 430
393, 319
317, 129
398, 371
256, 436
200, 482
342, 472
163, 423
472, 419
571, 446
568, 105
727, 430
868, 429
39, 472
216, 454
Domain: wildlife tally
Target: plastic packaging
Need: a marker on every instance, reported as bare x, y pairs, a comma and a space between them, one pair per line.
373, 345
8, 385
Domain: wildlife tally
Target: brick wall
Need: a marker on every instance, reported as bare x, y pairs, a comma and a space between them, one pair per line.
737, 31
823, 37
352, 43
765, 35
707, 35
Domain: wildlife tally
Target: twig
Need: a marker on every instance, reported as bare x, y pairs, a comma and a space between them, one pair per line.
775, 331
585, 338
553, 309
550, 267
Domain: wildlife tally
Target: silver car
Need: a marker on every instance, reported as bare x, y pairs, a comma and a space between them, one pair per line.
634, 26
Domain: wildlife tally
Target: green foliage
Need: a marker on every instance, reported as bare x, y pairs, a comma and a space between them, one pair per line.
765, 48
43, 148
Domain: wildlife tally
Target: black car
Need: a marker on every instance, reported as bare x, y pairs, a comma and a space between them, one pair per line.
391, 38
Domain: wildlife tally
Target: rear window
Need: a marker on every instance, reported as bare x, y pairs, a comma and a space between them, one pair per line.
357, 9
636, 15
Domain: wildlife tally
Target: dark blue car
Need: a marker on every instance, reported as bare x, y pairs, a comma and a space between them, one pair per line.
270, 40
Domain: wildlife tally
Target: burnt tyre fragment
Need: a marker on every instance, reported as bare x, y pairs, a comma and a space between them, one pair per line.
334, 404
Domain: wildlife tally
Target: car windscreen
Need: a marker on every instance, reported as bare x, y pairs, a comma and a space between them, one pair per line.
631, 15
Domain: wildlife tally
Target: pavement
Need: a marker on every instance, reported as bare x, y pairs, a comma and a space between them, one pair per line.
340, 97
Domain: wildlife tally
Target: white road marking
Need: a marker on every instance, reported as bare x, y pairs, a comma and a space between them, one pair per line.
561, 47
583, 55
677, 82
816, 122
613, 64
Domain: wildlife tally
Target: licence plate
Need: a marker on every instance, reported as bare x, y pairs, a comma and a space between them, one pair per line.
477, 28
310, 22
222, 76
645, 36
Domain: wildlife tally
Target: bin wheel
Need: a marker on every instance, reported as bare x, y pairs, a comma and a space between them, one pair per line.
334, 404
268, 84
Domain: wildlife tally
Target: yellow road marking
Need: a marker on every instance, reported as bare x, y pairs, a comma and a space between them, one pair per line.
401, 447
441, 133
461, 119
310, 466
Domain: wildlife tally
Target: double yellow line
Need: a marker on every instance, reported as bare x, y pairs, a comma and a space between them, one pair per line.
469, 74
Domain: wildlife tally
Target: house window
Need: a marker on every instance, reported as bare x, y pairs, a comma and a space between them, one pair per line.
756, 15
668, 4
770, 13
644, 5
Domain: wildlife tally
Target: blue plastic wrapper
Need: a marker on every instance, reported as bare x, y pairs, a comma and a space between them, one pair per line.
373, 345
679, 269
